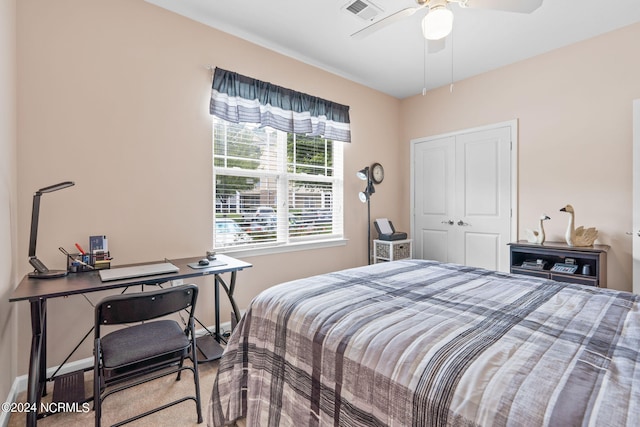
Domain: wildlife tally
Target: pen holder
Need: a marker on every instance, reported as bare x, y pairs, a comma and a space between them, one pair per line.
79, 263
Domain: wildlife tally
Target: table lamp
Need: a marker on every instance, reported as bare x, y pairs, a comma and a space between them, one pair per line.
41, 271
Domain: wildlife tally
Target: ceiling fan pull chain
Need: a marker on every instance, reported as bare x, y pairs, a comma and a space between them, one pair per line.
451, 85
424, 66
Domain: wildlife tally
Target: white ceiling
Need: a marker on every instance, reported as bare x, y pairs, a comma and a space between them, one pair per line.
392, 60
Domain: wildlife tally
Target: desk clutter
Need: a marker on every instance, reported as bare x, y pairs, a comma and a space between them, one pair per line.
97, 258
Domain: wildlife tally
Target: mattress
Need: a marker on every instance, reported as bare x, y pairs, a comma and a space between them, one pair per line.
421, 343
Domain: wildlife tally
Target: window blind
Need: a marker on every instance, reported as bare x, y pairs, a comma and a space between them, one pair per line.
274, 188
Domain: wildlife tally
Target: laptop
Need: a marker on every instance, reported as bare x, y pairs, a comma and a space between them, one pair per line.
137, 271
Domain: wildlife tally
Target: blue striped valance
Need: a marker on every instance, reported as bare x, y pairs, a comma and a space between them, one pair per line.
240, 99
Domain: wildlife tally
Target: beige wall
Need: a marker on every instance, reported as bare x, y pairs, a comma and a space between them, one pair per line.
113, 95
573, 107
8, 210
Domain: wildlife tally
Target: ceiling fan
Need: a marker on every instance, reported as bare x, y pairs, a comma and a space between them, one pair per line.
438, 23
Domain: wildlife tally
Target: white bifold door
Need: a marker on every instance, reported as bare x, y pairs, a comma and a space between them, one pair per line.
463, 187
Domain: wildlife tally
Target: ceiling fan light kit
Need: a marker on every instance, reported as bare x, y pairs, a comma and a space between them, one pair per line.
438, 23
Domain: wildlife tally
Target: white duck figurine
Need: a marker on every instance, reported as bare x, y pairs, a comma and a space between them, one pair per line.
537, 236
578, 236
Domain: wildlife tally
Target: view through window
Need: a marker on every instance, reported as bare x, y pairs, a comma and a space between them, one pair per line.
274, 188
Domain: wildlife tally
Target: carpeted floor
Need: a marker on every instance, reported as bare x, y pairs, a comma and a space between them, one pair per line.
136, 400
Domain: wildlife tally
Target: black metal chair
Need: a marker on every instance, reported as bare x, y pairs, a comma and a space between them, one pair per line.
145, 351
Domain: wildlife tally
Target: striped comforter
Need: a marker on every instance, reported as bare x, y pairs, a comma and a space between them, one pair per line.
419, 343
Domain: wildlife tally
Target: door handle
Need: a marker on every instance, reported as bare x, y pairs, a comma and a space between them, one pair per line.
462, 223
450, 222
629, 233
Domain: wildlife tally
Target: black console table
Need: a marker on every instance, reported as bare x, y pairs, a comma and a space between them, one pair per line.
550, 253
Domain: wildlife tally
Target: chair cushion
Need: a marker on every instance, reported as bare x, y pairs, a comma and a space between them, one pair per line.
141, 342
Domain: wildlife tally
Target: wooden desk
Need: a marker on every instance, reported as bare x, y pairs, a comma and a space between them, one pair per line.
38, 291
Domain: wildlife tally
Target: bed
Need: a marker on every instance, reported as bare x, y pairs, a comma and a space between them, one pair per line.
421, 343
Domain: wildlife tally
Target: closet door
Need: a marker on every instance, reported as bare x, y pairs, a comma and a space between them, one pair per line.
435, 199
462, 198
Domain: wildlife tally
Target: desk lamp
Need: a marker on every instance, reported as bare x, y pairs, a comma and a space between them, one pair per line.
365, 197
41, 271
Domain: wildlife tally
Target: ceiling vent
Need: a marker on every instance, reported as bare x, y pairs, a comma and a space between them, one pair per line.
363, 9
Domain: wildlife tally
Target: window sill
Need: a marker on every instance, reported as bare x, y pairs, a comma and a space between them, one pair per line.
291, 247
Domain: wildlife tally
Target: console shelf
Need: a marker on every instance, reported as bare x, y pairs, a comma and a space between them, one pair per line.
550, 253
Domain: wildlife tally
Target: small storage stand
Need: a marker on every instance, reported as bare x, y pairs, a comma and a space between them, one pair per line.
391, 250
550, 253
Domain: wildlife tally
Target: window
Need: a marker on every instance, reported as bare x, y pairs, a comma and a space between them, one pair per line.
274, 188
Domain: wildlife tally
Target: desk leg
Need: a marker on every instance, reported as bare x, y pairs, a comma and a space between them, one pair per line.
216, 288
36, 387
209, 345
229, 291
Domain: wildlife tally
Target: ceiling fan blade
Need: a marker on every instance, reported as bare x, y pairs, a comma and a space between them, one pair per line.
520, 6
378, 25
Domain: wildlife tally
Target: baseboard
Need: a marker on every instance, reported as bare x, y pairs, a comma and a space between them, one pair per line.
20, 383
13, 394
